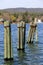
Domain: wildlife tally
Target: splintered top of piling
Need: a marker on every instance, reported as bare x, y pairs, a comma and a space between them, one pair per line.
21, 24
34, 22
1, 20
33, 25
6, 23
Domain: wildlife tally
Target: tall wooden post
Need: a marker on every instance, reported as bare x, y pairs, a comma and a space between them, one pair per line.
7, 41
21, 35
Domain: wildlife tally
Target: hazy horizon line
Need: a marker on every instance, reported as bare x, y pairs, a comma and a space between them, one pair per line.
20, 7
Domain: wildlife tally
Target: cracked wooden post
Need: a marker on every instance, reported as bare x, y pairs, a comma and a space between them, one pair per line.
21, 35
8, 55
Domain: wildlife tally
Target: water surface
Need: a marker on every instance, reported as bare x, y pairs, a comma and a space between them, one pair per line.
33, 53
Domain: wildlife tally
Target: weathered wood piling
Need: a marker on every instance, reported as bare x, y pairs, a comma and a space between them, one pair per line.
32, 31
36, 35
8, 55
21, 35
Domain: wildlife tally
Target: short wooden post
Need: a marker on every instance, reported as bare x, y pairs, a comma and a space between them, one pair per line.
21, 35
32, 31
7, 41
36, 31
36, 35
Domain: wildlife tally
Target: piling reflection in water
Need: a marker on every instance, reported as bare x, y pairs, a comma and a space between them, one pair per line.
34, 53
9, 63
21, 55
33, 48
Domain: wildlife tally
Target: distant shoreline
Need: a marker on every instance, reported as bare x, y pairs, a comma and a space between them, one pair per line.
17, 22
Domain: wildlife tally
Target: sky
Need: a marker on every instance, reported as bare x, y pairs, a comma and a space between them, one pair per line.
21, 3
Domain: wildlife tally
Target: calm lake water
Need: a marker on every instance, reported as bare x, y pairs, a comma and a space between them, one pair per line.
33, 53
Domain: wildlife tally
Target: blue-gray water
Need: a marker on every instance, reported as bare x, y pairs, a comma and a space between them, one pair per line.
33, 54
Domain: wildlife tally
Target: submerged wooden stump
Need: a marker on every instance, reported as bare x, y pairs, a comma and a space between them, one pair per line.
8, 55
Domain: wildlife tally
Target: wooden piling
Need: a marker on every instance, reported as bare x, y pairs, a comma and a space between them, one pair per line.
7, 41
21, 35
32, 31
36, 31
36, 35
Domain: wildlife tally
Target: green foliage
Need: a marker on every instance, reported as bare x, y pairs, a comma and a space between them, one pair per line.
13, 18
16, 15
24, 16
0, 13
